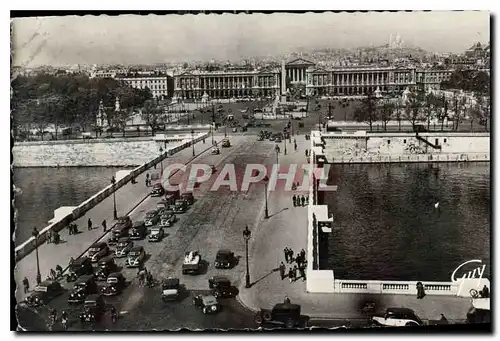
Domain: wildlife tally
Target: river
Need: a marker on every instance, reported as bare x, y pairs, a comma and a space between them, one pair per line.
387, 226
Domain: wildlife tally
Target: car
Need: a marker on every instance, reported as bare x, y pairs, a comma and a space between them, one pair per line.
118, 231
180, 206
272, 138
277, 140
79, 267
98, 251
221, 286
283, 314
138, 230
235, 130
157, 234
226, 143
135, 257
173, 195
43, 293
115, 283
260, 138
170, 289
125, 220
188, 197
157, 190
207, 303
168, 219
151, 218
192, 263
215, 151
93, 309
105, 266
224, 259
398, 317
123, 247
84, 286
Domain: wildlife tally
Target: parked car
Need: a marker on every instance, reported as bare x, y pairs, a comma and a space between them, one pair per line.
188, 197
180, 206
171, 196
226, 143
157, 190
157, 234
192, 263
283, 314
98, 251
398, 317
105, 266
135, 257
207, 303
125, 220
221, 286
84, 286
123, 247
138, 230
235, 130
224, 259
93, 309
152, 218
215, 151
44, 293
115, 283
170, 289
79, 267
168, 219
118, 231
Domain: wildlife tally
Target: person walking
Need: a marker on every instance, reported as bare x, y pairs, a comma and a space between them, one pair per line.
294, 199
295, 146
295, 270
49, 237
290, 275
89, 224
302, 200
282, 270
104, 225
306, 152
307, 199
70, 228
26, 285
302, 272
285, 250
298, 259
303, 255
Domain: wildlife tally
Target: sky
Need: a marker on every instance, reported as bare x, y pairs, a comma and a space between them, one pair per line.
134, 39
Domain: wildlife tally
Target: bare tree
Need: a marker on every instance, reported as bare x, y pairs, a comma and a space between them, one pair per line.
459, 107
483, 108
367, 111
152, 114
414, 107
442, 110
398, 113
386, 110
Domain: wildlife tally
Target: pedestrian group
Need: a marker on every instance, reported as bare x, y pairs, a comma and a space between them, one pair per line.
295, 270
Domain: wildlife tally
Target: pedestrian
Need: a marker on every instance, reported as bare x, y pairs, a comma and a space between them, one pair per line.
420, 290
294, 199
89, 224
26, 285
141, 278
295, 269
70, 228
295, 146
302, 200
307, 199
302, 272
104, 225
282, 270
306, 152
52, 274
290, 275
485, 292
285, 251
295, 141
49, 237
290, 255
298, 258
75, 229
303, 255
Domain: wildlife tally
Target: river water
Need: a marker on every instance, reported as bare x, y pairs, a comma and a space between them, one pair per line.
43, 190
387, 226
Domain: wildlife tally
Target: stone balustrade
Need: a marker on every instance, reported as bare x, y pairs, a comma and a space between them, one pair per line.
394, 287
409, 158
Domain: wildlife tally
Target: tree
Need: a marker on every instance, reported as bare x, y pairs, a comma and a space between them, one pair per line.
152, 114
431, 105
386, 110
414, 107
442, 110
367, 111
459, 108
482, 109
398, 113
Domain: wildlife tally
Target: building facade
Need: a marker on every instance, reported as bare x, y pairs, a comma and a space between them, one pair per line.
160, 85
432, 78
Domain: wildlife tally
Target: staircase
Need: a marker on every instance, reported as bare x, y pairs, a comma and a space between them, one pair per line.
435, 146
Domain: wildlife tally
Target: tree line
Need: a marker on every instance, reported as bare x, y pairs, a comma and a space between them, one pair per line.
64, 100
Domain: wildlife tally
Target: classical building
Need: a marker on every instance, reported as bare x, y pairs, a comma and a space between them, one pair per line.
193, 84
432, 78
160, 84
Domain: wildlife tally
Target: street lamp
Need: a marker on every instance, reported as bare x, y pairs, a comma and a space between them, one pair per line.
38, 275
285, 145
225, 129
246, 235
192, 140
266, 212
277, 154
161, 159
113, 181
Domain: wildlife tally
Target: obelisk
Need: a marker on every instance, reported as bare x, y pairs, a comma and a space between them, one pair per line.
283, 81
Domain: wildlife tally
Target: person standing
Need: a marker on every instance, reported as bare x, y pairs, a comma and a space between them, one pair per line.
89, 224
295, 269
287, 254
302, 272
294, 199
295, 146
104, 225
290, 274
298, 258
26, 285
70, 228
302, 200
282, 270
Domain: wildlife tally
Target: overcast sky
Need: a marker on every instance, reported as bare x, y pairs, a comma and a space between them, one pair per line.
151, 39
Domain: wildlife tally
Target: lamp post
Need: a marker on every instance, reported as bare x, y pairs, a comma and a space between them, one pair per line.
246, 235
192, 140
225, 129
266, 212
161, 159
113, 181
277, 155
38, 275
285, 146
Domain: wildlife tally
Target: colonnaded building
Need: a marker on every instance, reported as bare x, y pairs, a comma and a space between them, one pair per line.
304, 78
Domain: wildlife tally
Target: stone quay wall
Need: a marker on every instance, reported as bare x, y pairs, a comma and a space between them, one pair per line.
58, 224
96, 152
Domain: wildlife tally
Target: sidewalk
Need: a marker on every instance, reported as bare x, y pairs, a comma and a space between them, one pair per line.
127, 198
287, 226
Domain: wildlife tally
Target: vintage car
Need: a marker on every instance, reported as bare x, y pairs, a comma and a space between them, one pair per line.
123, 247
157, 190
215, 151
152, 218
115, 283
224, 259
105, 266
170, 289
192, 263
156, 234
84, 286
226, 143
221, 286
283, 314
125, 220
98, 251
188, 197
479, 311
277, 139
43, 293
118, 231
180, 206
93, 309
135, 257
235, 130
138, 230
398, 317
272, 138
207, 303
168, 219
260, 138
171, 196
79, 267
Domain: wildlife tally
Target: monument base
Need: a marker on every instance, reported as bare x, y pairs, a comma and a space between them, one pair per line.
283, 98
